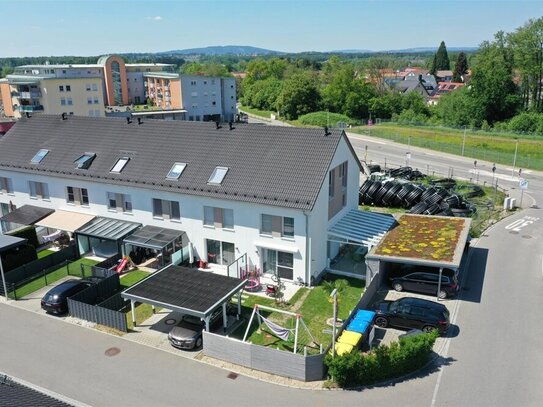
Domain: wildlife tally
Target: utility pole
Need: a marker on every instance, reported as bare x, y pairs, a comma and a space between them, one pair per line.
514, 159
334, 297
464, 140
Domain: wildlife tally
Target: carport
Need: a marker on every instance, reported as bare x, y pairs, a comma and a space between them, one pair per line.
187, 291
164, 241
6, 243
26, 215
439, 245
352, 236
104, 236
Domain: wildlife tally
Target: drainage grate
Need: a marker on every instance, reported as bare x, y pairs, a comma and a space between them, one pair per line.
232, 375
112, 352
526, 236
514, 232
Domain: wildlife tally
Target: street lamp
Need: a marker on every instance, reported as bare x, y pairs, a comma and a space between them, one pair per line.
514, 158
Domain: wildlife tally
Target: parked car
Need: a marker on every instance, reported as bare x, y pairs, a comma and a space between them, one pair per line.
412, 313
187, 334
56, 299
425, 281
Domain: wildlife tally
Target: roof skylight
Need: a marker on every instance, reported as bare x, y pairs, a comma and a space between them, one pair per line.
176, 171
119, 165
85, 161
218, 175
40, 155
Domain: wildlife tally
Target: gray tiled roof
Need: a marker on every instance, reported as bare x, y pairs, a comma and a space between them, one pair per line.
282, 166
15, 394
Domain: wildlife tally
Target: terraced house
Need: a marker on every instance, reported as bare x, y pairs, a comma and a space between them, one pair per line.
267, 195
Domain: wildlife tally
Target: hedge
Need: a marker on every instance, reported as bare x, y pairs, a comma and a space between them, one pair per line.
382, 363
323, 119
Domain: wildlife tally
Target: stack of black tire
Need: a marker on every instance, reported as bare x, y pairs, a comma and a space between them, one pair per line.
442, 198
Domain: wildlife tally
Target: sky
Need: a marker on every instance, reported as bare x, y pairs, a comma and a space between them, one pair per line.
86, 28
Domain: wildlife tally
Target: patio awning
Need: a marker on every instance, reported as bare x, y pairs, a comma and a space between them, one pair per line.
276, 246
27, 215
363, 227
187, 291
153, 237
9, 242
108, 229
65, 220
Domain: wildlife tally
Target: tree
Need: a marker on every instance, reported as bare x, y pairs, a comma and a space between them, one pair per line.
299, 95
441, 59
460, 68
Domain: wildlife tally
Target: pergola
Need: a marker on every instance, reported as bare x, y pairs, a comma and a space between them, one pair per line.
26, 215
156, 238
187, 291
7, 242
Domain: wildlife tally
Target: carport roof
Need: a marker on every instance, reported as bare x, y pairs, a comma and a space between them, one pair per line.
27, 215
108, 229
187, 291
153, 237
8, 242
363, 227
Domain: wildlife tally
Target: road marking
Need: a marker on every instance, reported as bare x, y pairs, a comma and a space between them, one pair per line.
518, 224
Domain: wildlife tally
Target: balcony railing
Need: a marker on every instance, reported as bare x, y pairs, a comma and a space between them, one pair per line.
30, 108
29, 95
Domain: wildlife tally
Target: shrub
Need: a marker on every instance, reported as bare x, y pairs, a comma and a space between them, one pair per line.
382, 363
323, 119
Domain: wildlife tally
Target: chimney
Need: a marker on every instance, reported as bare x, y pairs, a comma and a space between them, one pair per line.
140, 121
218, 125
128, 120
28, 116
326, 132
63, 115
231, 125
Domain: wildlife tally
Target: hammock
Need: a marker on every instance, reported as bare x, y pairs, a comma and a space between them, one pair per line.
278, 330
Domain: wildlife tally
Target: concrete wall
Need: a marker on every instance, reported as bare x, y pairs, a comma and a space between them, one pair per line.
264, 359
51, 96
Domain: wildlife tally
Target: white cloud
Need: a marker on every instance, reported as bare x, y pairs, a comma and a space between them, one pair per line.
155, 18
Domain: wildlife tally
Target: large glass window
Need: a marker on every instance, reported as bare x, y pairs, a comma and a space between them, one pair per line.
266, 227
279, 263
228, 218
6, 185
219, 217
38, 190
220, 252
166, 209
209, 216
288, 227
116, 77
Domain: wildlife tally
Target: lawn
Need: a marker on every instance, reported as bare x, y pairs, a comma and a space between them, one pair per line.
313, 304
266, 114
55, 275
132, 277
493, 147
44, 253
143, 311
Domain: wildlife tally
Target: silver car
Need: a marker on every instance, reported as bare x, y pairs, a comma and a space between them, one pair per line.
187, 334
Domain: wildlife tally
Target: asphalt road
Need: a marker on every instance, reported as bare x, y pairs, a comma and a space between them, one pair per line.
494, 358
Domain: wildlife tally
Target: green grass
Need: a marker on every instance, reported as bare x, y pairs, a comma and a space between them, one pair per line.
266, 114
131, 278
54, 276
315, 307
143, 312
44, 253
493, 147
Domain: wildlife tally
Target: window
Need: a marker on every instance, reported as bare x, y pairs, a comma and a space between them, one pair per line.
218, 175
213, 81
77, 196
38, 190
69, 101
166, 209
219, 217
277, 226
218, 252
331, 183
119, 202
205, 82
176, 171
194, 94
95, 100
119, 165
62, 101
6, 186
214, 103
68, 88
94, 87
85, 161
343, 174
88, 87
60, 88
279, 263
193, 83
89, 100
40, 155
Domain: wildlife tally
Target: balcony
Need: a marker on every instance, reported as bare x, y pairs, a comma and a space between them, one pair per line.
29, 95
29, 108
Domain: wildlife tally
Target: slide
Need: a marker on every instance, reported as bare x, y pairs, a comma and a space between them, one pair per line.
122, 265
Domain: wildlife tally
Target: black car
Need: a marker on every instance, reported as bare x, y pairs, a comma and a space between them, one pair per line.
426, 282
412, 313
56, 299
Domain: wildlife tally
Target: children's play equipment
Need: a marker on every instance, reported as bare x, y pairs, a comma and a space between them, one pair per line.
277, 330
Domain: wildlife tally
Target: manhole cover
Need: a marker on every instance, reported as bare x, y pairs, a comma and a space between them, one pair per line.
170, 321
112, 352
513, 232
232, 375
526, 236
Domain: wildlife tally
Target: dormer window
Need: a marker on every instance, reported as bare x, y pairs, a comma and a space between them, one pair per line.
119, 165
176, 171
40, 155
218, 175
85, 161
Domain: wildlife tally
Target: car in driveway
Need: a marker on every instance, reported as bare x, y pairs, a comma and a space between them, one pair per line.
56, 299
426, 282
187, 334
412, 313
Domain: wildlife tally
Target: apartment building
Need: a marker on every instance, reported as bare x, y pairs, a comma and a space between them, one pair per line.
263, 193
86, 90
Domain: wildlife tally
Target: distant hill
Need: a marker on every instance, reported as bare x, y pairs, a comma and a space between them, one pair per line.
352, 51
428, 49
222, 50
